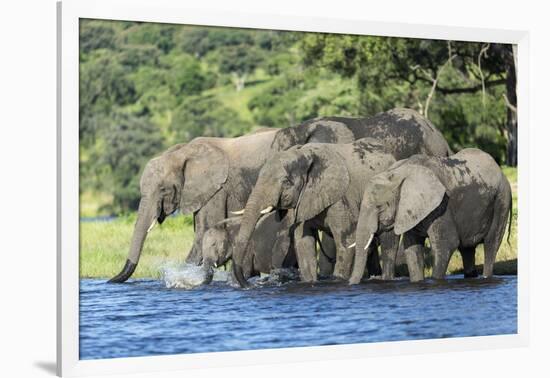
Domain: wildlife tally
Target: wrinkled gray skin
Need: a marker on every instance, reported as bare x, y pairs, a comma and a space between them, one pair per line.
457, 202
269, 247
404, 132
208, 177
323, 185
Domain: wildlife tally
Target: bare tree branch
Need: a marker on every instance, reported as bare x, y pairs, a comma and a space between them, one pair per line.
508, 104
433, 79
471, 89
482, 53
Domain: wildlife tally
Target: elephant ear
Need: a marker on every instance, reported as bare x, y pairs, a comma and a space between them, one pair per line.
421, 193
329, 131
205, 170
326, 182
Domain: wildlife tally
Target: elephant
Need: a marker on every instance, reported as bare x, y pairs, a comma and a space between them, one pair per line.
457, 202
404, 132
321, 185
270, 246
208, 177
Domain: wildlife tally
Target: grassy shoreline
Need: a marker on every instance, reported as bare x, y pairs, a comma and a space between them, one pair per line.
104, 245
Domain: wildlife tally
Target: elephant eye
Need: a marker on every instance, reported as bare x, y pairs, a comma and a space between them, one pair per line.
287, 181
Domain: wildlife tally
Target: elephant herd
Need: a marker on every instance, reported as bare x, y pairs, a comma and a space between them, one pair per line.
333, 197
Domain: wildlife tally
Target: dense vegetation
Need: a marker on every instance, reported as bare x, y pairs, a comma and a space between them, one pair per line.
144, 87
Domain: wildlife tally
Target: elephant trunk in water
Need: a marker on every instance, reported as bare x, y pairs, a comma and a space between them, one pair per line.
208, 270
147, 216
367, 226
258, 201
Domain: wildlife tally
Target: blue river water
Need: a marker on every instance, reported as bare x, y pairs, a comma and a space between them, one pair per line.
144, 317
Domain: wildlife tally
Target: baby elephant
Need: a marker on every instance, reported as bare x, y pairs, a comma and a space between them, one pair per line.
457, 202
270, 246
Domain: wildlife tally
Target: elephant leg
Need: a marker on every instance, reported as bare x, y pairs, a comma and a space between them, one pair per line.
280, 250
469, 261
304, 244
344, 255
373, 262
494, 237
413, 248
389, 243
327, 255
210, 214
195, 256
444, 241
338, 219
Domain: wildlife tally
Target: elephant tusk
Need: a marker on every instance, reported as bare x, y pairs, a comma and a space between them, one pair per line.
152, 226
266, 210
370, 241
353, 245
215, 264
240, 212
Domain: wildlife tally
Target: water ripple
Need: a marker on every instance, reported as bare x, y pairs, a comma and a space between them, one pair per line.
144, 317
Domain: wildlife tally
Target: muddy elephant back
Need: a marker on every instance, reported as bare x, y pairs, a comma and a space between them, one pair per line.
405, 132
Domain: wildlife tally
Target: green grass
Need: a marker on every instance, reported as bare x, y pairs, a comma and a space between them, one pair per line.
92, 204
104, 245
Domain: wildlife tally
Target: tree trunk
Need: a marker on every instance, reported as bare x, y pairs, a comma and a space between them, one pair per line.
511, 117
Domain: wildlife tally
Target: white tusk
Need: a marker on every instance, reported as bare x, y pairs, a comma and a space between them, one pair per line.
370, 240
353, 245
152, 226
240, 212
215, 264
266, 210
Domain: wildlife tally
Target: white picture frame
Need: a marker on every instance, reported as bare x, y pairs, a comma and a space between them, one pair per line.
69, 13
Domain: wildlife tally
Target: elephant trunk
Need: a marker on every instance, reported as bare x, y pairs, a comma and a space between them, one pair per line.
208, 268
257, 202
147, 215
367, 226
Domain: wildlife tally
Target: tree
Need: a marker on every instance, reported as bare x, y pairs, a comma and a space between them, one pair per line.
240, 61
206, 116
130, 142
414, 72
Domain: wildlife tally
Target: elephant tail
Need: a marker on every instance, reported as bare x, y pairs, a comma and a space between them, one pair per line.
510, 217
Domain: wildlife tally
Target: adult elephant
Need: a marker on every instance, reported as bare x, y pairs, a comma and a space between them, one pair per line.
457, 202
322, 186
208, 177
403, 131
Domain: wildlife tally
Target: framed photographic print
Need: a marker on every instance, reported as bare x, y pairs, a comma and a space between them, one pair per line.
278, 189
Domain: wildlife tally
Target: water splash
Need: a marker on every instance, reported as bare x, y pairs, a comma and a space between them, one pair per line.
183, 276
189, 276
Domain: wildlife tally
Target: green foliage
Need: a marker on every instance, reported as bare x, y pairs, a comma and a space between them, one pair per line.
241, 59
96, 35
132, 142
146, 86
206, 116
394, 72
